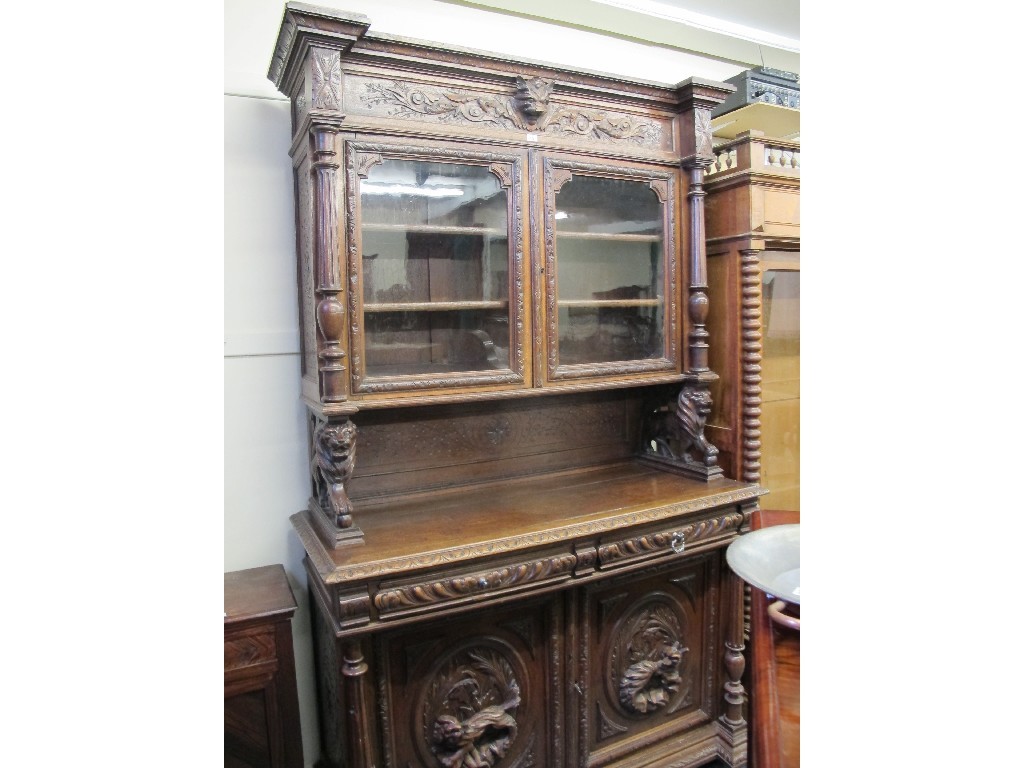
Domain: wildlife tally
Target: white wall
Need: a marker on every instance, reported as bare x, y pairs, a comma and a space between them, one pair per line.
265, 473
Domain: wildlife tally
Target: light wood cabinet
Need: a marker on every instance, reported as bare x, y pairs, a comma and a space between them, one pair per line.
753, 252
516, 528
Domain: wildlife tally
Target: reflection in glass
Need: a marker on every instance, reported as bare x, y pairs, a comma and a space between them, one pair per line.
609, 253
435, 260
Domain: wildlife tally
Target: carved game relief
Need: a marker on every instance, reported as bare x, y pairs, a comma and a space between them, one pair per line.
469, 716
648, 658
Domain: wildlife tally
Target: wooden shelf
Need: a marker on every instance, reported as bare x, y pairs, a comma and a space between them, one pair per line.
619, 237
609, 302
435, 306
434, 228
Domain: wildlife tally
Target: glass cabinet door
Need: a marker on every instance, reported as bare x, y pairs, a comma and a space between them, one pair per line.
437, 264
609, 267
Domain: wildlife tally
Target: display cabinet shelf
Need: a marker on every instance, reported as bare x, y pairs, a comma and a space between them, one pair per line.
622, 237
435, 306
434, 229
609, 302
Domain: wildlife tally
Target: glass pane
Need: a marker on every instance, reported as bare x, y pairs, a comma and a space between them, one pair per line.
407, 343
609, 253
435, 268
780, 387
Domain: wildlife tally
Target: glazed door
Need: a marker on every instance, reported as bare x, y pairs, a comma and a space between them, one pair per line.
609, 270
435, 248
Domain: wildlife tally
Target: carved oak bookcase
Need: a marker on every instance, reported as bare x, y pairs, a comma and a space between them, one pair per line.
516, 528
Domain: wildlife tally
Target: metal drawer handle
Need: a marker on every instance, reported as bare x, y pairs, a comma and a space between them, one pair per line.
678, 543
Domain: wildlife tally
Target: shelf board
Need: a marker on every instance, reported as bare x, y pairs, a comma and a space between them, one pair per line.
618, 237
609, 302
434, 229
434, 306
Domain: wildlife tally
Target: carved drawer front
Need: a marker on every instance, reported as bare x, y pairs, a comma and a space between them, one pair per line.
649, 664
249, 649
475, 693
433, 594
618, 550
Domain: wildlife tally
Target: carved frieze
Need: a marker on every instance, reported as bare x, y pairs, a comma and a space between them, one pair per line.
527, 109
469, 714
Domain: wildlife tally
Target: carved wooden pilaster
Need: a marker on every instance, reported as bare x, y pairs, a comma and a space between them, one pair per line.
733, 659
698, 303
750, 356
331, 467
330, 310
357, 710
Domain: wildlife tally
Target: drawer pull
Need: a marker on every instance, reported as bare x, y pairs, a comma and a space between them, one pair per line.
678, 543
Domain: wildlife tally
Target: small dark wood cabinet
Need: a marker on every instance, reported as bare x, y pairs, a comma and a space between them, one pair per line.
516, 527
261, 704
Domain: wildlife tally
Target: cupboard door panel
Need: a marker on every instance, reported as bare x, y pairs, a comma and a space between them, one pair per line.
474, 692
649, 667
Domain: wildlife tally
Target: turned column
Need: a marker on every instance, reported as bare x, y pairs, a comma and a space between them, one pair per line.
697, 98
750, 363
330, 309
357, 706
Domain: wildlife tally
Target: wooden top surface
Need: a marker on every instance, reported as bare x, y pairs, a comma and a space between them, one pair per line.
257, 593
450, 526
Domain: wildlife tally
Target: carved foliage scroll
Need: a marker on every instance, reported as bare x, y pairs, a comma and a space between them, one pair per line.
528, 109
469, 716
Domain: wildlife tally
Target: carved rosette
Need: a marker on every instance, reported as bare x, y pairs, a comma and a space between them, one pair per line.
647, 660
334, 455
469, 714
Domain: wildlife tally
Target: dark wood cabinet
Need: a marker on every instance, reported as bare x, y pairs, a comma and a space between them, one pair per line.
261, 705
515, 535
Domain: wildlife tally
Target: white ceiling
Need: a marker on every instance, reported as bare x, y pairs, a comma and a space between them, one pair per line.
776, 17
744, 32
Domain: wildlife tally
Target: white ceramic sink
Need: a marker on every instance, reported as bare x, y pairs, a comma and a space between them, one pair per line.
769, 559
